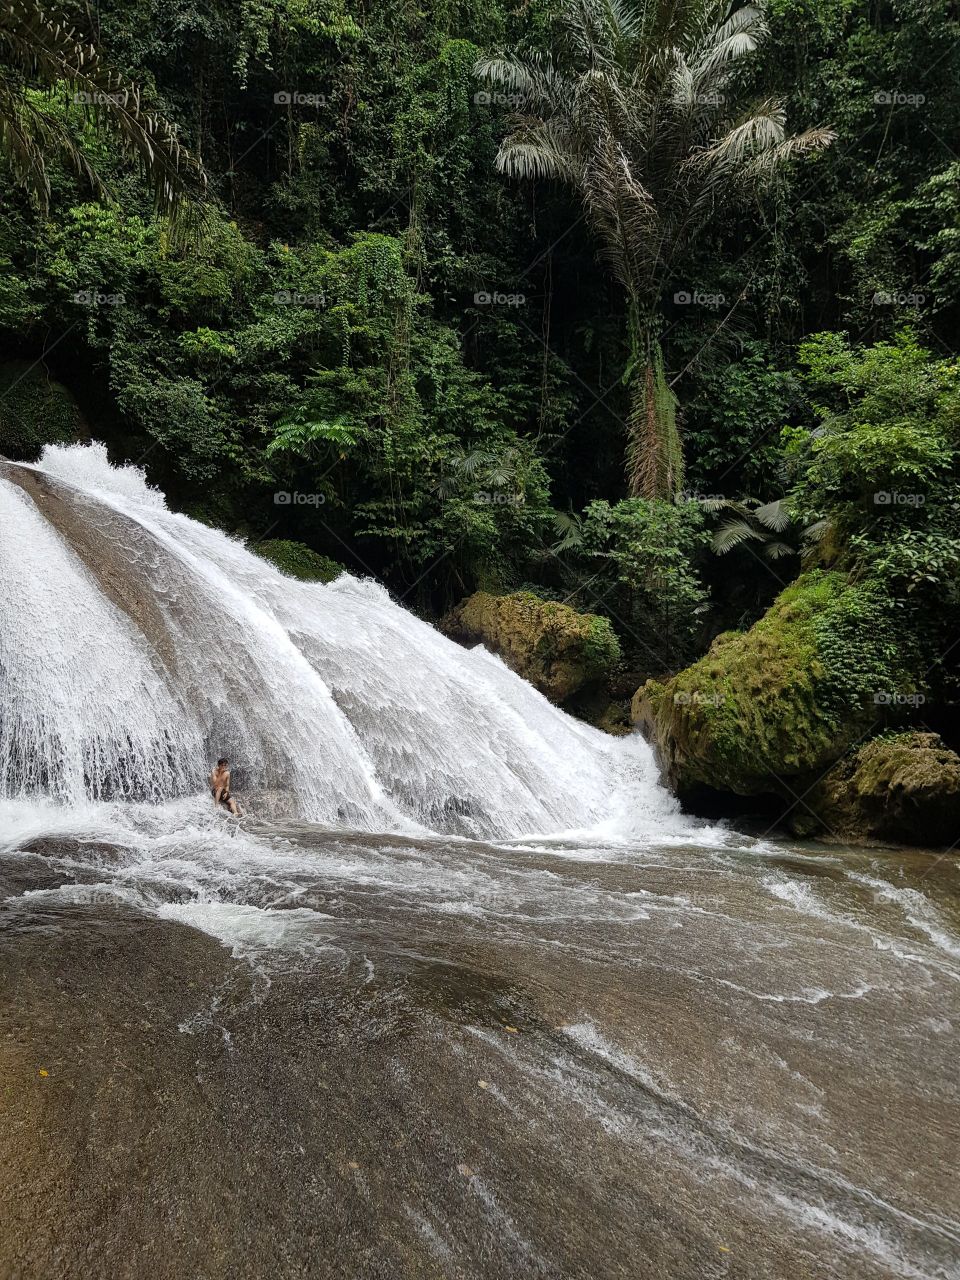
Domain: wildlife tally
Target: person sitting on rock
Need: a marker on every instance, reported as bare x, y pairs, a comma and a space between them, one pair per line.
220, 786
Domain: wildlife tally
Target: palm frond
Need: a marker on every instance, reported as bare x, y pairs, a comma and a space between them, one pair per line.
732, 534
570, 528
733, 40
774, 515
44, 49
719, 504
778, 550
765, 162
537, 149
758, 132
533, 78
815, 532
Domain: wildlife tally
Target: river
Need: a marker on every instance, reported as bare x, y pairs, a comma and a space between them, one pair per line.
271, 1050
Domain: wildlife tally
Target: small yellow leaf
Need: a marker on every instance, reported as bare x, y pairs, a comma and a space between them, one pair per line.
483, 1084
723, 1248
512, 1030
44, 1071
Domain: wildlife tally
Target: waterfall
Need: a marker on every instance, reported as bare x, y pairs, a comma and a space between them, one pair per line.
137, 645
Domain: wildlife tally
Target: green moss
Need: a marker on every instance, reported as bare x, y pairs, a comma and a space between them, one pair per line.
903, 787
601, 648
785, 698
298, 561
553, 646
34, 411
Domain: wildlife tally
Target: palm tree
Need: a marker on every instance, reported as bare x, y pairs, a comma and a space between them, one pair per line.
639, 109
38, 48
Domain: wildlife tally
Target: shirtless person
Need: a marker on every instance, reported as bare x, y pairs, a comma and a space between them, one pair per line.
220, 786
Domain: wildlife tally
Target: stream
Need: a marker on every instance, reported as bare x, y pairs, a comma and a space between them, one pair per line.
273, 1049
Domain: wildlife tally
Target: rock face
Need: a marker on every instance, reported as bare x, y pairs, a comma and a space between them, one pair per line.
34, 411
904, 788
557, 649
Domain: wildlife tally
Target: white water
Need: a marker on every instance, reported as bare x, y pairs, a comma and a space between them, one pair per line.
332, 703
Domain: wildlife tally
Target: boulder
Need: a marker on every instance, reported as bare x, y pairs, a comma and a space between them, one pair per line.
905, 788
299, 561
769, 710
559, 650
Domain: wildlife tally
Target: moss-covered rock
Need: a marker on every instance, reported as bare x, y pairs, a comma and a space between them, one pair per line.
298, 561
557, 649
34, 411
782, 701
905, 787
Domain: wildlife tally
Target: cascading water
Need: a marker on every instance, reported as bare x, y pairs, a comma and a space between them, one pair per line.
136, 645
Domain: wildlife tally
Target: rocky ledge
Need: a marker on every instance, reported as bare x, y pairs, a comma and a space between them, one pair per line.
557, 649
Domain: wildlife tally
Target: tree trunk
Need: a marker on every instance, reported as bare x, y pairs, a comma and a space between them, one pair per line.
654, 451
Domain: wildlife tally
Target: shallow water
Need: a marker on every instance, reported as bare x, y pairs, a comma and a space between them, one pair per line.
271, 1049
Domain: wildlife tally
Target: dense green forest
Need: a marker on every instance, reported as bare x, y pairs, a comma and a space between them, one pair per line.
502, 300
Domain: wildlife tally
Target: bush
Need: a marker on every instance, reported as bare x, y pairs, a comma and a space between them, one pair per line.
640, 555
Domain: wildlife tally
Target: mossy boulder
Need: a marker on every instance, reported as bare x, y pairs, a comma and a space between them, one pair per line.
299, 561
34, 411
905, 787
778, 704
559, 650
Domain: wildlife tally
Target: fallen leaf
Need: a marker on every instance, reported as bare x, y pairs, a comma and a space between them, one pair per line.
483, 1084
465, 1170
512, 1030
44, 1071
352, 1164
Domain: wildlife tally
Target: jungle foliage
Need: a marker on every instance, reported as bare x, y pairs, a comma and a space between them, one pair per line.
443, 365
